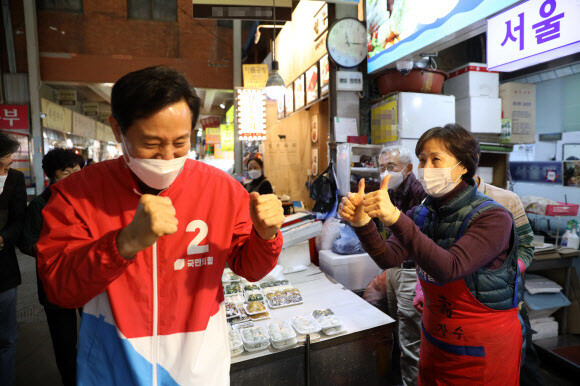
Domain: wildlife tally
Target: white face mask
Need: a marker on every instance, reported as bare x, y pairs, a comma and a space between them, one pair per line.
396, 178
2, 182
437, 181
156, 173
255, 174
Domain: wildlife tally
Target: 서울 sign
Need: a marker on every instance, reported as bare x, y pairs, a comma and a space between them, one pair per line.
533, 32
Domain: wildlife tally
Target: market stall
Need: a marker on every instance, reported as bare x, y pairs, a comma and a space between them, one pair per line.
327, 334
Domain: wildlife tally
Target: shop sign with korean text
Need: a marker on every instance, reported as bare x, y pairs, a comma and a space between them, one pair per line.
255, 75
533, 32
227, 137
56, 117
14, 118
84, 126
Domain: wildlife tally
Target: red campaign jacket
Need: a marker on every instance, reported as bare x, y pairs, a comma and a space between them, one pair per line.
78, 259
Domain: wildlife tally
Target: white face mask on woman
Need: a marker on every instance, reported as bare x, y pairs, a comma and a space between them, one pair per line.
254, 174
437, 181
396, 178
156, 173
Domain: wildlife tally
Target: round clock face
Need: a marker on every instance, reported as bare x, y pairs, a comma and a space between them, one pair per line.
346, 42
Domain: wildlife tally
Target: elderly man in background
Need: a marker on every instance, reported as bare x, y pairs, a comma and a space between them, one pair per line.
396, 286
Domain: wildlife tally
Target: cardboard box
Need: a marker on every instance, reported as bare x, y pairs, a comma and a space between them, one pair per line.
479, 114
472, 80
519, 106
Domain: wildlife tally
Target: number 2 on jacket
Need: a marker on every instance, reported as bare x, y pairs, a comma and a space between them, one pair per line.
194, 248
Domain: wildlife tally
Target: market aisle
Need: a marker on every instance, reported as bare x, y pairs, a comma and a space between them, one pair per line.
35, 362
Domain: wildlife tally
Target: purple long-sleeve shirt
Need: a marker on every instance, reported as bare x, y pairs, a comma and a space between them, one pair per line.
485, 244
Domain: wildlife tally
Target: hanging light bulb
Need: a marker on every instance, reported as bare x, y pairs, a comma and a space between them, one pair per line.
275, 87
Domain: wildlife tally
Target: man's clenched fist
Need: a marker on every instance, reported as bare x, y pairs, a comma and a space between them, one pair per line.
155, 217
267, 214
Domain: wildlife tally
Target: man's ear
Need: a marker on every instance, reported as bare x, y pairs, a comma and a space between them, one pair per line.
116, 128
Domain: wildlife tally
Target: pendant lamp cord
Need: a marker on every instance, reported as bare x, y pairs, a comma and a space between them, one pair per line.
274, 34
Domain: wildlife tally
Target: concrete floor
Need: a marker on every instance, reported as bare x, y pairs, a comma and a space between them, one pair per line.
35, 362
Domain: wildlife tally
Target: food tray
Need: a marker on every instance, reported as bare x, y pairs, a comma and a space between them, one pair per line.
277, 283
236, 343
243, 325
327, 320
261, 316
255, 338
244, 317
250, 308
285, 287
232, 288
333, 331
282, 335
231, 310
305, 324
254, 296
302, 338
251, 287
235, 298
228, 276
284, 298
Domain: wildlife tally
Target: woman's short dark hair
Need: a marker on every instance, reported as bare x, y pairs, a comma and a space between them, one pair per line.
59, 159
8, 145
140, 94
459, 142
258, 160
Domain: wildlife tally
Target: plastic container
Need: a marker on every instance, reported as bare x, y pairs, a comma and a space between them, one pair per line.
243, 325
232, 288
544, 305
277, 283
244, 317
255, 338
282, 335
231, 310
260, 316
254, 296
251, 287
235, 298
472, 80
352, 271
284, 298
254, 308
236, 343
305, 324
328, 321
230, 277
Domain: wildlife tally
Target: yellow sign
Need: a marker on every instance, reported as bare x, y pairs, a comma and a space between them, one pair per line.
255, 75
227, 137
212, 135
384, 122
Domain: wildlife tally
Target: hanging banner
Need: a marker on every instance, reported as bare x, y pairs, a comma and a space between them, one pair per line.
14, 118
255, 75
212, 135
251, 104
227, 137
533, 32
209, 122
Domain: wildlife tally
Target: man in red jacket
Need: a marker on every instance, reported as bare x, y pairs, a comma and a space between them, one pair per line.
141, 242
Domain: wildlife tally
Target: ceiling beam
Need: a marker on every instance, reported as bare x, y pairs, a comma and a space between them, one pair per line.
208, 100
102, 91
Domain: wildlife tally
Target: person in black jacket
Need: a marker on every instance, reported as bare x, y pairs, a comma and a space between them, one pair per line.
62, 322
259, 183
12, 209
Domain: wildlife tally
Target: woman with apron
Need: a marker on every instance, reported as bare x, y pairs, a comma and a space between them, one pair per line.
464, 246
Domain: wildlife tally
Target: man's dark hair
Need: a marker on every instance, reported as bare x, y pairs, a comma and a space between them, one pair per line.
59, 159
8, 145
142, 93
459, 142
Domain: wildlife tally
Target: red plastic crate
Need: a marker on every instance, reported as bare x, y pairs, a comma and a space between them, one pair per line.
562, 209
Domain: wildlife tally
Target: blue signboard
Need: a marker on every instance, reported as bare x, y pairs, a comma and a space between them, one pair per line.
403, 27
